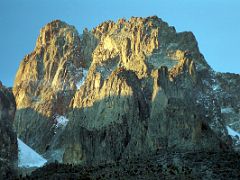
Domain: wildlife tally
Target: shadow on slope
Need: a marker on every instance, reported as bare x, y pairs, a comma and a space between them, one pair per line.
163, 165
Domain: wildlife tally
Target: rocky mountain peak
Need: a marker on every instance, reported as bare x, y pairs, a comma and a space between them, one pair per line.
57, 33
140, 41
122, 88
54, 65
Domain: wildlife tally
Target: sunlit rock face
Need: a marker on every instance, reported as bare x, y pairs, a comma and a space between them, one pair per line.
125, 88
8, 140
46, 82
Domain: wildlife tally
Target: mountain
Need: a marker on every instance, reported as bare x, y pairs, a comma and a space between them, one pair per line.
120, 90
8, 140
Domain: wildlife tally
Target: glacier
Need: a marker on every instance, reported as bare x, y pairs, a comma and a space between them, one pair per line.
29, 158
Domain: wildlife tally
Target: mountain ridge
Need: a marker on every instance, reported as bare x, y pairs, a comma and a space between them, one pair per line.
126, 87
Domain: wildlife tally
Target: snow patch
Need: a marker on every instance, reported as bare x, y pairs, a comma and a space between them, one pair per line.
227, 110
215, 87
235, 135
232, 133
234, 123
61, 121
28, 157
84, 75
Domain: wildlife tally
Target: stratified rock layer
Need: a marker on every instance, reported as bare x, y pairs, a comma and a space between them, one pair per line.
125, 88
8, 140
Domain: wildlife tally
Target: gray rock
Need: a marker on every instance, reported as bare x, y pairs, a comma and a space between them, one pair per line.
147, 88
8, 140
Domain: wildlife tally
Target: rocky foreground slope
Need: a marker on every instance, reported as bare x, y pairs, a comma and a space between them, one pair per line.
122, 89
8, 138
162, 165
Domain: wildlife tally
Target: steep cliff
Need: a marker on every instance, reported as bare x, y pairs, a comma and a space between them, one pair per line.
45, 83
119, 90
229, 96
8, 140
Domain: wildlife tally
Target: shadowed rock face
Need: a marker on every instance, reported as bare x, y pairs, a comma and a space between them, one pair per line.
8, 140
126, 88
228, 93
164, 165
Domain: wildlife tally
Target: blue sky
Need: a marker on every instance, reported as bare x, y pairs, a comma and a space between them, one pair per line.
215, 23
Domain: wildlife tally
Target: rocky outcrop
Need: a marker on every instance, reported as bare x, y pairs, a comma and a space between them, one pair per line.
228, 92
119, 90
45, 83
8, 140
229, 95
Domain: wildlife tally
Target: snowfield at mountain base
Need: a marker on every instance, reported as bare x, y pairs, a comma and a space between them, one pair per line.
28, 158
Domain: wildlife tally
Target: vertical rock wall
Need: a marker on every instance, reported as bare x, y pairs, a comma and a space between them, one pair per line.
8, 140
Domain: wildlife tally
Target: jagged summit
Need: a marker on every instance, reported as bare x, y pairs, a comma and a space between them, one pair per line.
125, 88
55, 29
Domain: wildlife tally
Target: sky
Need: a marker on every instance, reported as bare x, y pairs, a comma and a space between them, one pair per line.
215, 23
